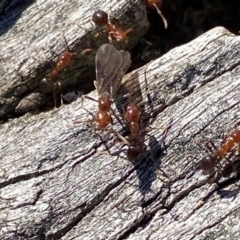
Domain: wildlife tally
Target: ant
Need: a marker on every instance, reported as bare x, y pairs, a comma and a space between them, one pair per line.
132, 117
62, 62
209, 162
111, 65
100, 18
157, 4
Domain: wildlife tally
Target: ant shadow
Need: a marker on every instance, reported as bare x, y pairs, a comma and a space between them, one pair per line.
232, 174
148, 172
10, 12
149, 162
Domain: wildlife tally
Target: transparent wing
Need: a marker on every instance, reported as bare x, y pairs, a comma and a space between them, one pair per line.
126, 61
110, 68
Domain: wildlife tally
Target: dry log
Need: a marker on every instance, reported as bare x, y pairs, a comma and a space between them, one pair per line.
31, 42
58, 181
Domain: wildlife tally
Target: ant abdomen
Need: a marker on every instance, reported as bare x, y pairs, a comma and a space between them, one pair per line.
103, 119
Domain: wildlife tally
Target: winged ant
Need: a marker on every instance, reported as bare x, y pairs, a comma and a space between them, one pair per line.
111, 65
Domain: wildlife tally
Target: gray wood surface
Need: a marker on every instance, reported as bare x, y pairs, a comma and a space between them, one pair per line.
31, 41
57, 181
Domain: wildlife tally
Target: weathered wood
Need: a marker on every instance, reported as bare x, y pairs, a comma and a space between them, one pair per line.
58, 182
31, 41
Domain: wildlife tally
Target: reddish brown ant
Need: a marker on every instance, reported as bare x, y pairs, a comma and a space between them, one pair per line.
62, 62
111, 65
100, 18
209, 162
132, 119
157, 4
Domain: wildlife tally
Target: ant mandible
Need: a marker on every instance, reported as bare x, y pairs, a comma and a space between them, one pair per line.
100, 18
209, 162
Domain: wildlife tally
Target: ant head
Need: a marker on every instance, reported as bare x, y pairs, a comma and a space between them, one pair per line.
133, 152
100, 18
208, 163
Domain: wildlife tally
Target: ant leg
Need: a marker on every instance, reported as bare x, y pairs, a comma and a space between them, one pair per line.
161, 15
61, 98
65, 40
110, 38
120, 151
213, 145
115, 115
210, 148
121, 137
54, 96
90, 98
154, 162
86, 121
82, 98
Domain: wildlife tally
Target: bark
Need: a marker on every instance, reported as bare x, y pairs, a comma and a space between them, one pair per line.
62, 180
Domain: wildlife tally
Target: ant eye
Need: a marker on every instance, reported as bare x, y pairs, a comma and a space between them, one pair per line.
207, 164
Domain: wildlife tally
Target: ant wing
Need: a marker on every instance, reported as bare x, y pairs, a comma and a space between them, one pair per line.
108, 62
126, 61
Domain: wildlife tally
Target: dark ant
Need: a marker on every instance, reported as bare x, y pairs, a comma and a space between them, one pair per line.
157, 4
100, 18
209, 162
132, 118
111, 65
